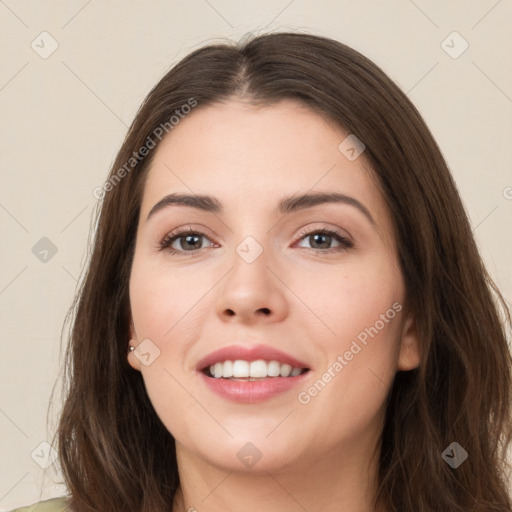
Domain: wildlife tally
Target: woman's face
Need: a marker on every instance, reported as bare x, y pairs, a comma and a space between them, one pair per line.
259, 276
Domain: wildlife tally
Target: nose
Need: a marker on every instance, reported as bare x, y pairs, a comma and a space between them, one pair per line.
252, 293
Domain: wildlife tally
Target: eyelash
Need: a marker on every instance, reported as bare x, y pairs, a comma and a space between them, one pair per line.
345, 243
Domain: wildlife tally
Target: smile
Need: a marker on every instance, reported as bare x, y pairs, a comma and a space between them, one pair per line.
250, 374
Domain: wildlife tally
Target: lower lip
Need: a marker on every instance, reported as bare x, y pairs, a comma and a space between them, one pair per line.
250, 392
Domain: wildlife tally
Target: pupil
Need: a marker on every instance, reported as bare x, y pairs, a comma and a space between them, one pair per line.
321, 236
190, 237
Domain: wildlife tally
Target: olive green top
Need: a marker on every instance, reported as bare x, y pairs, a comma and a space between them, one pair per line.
53, 505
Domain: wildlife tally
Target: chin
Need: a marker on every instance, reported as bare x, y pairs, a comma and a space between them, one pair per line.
249, 451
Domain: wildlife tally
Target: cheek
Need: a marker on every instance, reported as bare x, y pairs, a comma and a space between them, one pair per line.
161, 299
163, 306
348, 392
350, 297
361, 306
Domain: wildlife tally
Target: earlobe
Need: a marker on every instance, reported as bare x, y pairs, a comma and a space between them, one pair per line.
133, 361
409, 357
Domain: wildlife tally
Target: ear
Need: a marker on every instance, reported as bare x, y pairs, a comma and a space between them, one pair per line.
133, 361
409, 356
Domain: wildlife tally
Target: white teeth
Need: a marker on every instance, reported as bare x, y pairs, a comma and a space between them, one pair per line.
259, 369
273, 369
240, 368
228, 369
286, 369
217, 372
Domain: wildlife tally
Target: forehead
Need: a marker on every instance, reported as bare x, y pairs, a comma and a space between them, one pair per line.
251, 155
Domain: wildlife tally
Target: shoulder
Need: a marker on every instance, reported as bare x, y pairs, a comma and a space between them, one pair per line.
53, 505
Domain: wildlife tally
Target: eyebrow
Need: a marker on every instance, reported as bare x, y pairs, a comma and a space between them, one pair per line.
286, 205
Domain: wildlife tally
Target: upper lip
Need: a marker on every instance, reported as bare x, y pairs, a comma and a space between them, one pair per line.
245, 353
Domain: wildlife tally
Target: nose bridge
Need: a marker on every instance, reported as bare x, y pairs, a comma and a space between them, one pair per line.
249, 275
252, 236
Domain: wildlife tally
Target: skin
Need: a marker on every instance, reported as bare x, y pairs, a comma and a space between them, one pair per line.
315, 456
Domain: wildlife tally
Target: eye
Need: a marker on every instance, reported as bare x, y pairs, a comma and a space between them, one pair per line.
324, 237
187, 239
190, 241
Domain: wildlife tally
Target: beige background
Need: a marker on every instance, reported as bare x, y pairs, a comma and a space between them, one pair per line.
64, 117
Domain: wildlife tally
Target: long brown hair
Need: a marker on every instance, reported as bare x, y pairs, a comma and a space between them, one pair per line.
115, 453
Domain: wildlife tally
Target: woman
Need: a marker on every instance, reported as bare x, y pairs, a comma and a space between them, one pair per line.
221, 360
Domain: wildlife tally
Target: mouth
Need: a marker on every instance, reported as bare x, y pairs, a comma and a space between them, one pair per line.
244, 374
